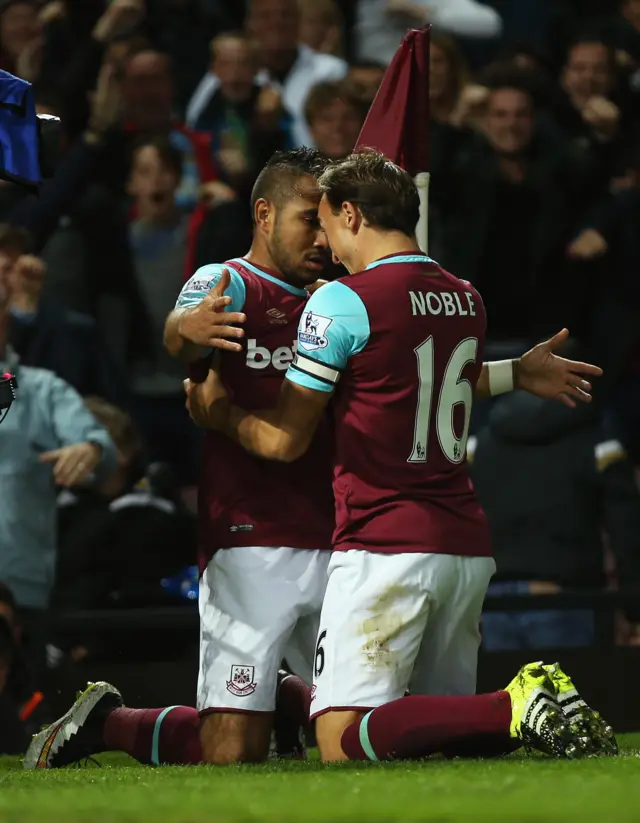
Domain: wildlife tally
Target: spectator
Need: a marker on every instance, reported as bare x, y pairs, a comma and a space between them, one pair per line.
322, 26
448, 78
78, 38
118, 541
83, 514
610, 245
246, 121
366, 76
382, 24
549, 481
335, 113
512, 247
148, 97
48, 439
49, 336
20, 32
589, 110
295, 68
159, 242
183, 29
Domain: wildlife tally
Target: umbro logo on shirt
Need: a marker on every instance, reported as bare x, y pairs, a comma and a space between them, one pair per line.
277, 317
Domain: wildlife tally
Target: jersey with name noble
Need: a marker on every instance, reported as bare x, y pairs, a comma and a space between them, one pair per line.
244, 500
402, 344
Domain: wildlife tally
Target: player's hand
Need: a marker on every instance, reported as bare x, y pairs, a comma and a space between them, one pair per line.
545, 374
208, 324
208, 402
72, 465
588, 245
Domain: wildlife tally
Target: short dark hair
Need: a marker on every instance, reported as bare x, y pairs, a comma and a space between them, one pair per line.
323, 95
145, 48
14, 239
594, 37
232, 34
170, 155
500, 76
385, 194
276, 182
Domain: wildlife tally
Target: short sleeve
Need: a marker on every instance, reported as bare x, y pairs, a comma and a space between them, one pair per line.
333, 327
205, 278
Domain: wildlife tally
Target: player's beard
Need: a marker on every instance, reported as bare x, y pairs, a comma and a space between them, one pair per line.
284, 261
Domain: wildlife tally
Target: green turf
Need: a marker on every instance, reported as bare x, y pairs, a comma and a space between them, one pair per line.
512, 790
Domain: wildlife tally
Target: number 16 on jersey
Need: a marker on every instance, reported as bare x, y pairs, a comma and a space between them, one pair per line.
453, 391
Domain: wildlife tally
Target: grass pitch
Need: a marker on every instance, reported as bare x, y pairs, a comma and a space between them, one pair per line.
516, 789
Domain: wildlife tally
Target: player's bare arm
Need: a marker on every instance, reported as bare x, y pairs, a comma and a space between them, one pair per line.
540, 372
188, 331
284, 433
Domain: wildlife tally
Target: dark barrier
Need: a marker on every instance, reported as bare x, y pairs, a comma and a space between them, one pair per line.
152, 655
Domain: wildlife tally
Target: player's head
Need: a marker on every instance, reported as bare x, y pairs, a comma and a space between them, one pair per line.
363, 195
284, 203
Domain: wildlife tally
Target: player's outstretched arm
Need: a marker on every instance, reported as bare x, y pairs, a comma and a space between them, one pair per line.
540, 372
203, 318
281, 434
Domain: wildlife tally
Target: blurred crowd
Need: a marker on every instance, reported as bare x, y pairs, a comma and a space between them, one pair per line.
169, 109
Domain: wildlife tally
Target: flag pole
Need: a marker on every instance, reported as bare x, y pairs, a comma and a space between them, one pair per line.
422, 180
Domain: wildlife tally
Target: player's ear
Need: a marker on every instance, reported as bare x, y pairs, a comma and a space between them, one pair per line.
262, 214
352, 216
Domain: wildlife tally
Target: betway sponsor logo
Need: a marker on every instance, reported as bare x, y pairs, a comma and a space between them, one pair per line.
258, 357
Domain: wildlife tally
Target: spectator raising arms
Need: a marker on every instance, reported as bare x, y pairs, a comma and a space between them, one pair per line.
49, 439
246, 120
45, 334
294, 67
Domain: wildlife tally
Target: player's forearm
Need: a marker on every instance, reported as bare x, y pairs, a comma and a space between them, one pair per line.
261, 434
175, 343
497, 377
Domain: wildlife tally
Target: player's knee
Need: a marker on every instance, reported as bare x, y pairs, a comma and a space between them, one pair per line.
235, 738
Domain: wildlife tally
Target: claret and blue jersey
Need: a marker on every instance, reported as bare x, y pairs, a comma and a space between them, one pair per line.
246, 501
401, 343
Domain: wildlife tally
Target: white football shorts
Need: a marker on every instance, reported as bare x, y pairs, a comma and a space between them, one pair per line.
258, 605
392, 622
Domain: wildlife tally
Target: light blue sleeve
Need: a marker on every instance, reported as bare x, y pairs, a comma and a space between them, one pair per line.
333, 327
205, 278
72, 422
